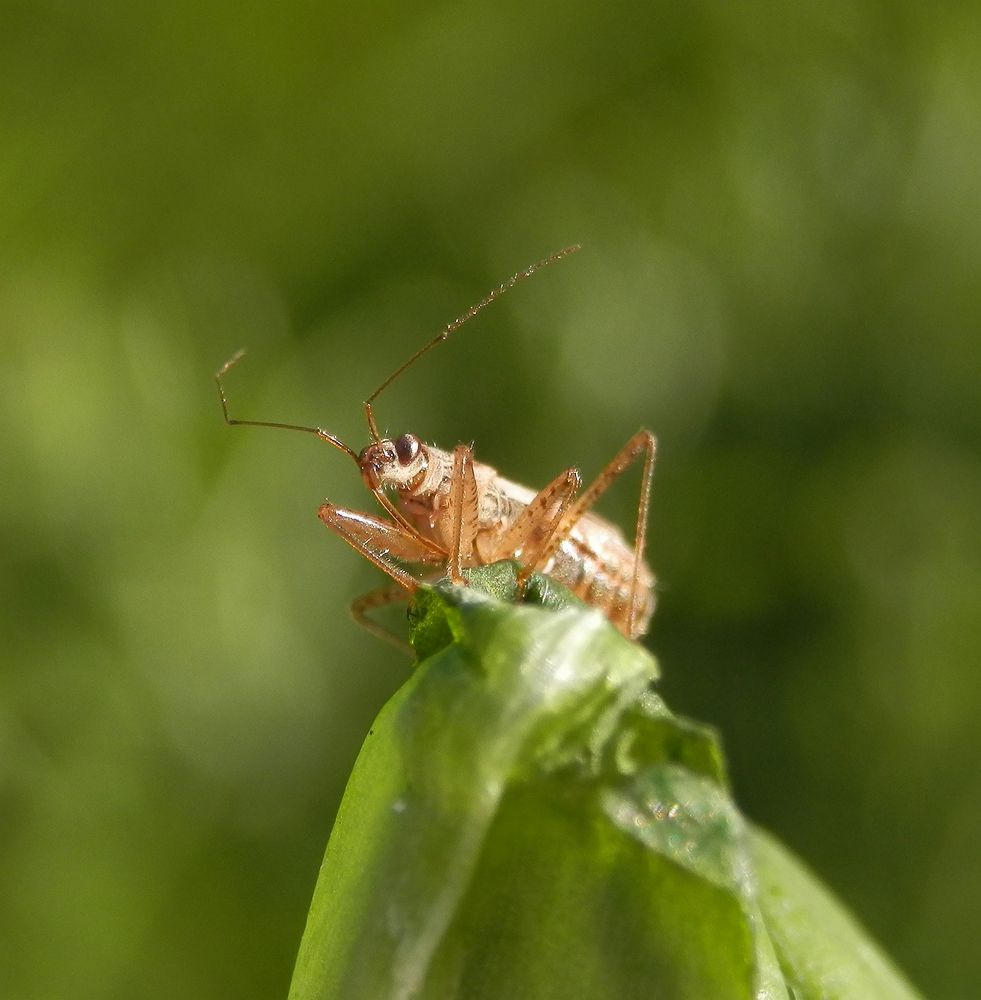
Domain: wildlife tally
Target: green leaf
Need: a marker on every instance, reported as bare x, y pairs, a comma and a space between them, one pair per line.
823, 950
527, 819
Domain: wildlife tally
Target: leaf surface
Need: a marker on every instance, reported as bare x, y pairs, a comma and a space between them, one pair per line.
526, 818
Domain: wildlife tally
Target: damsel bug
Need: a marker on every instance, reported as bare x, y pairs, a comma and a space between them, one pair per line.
447, 511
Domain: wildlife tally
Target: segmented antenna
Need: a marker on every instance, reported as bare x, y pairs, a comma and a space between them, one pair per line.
456, 324
232, 421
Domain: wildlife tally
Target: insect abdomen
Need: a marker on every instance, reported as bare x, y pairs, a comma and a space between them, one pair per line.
598, 567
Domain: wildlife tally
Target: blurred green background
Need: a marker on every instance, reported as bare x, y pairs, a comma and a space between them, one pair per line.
779, 206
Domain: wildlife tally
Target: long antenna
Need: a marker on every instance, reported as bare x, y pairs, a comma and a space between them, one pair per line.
456, 324
319, 431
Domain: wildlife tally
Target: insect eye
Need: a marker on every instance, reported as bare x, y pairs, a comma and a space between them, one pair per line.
407, 447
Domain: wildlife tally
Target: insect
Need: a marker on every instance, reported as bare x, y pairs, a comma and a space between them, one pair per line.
447, 512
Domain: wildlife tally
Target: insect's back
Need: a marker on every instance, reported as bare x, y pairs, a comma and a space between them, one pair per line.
594, 561
597, 565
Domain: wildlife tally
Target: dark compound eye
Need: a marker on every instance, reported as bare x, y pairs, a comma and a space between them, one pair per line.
407, 447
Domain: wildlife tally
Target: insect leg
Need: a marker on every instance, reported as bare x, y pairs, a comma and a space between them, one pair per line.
642, 443
533, 529
380, 541
380, 597
464, 512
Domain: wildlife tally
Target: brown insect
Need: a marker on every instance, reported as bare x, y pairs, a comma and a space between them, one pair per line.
447, 512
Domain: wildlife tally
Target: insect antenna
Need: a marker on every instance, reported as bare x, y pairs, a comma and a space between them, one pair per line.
456, 324
231, 421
